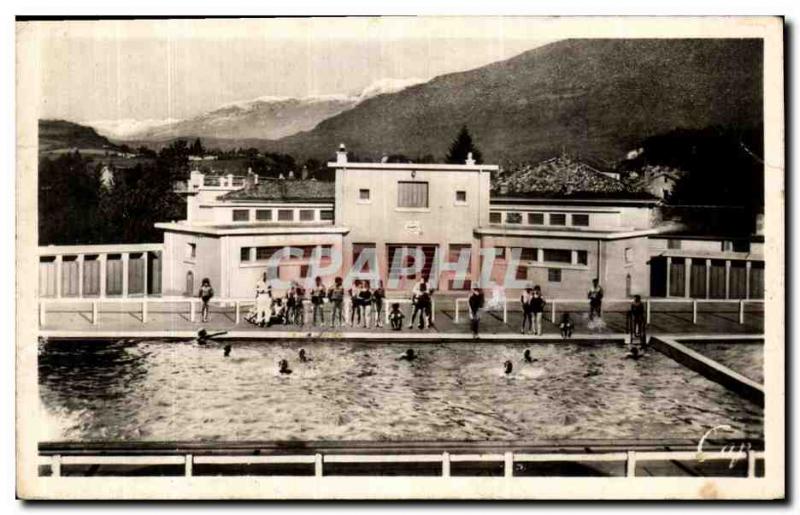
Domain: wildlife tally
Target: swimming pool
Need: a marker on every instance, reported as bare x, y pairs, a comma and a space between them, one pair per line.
745, 357
150, 390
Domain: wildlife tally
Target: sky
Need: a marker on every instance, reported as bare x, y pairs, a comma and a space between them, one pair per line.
174, 69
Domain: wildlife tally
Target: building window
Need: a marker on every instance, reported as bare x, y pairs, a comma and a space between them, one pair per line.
674, 244
495, 217
557, 256
285, 215
741, 246
455, 252
264, 253
241, 215
364, 195
513, 218
264, 215
522, 273
461, 197
554, 275
412, 194
358, 250
529, 254
244, 254
580, 220
326, 214
536, 218
191, 250
629, 254
306, 215
582, 257
558, 219
500, 252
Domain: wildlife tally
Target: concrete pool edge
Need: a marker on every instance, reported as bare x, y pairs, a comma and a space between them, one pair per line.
708, 368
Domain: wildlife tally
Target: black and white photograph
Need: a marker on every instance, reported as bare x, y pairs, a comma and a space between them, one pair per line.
400, 258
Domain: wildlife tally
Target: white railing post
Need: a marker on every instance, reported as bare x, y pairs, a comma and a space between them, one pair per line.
445, 464
55, 466
630, 464
144, 311
42, 313
751, 463
94, 312
433, 310
741, 311
79, 260
318, 465
456, 315
125, 267
694, 311
505, 311
191, 310
553, 312
508, 467
237, 311
648, 311
187, 466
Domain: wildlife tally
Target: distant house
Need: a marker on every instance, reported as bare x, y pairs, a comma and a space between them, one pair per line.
659, 180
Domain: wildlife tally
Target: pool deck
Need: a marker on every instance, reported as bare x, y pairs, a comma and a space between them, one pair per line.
76, 321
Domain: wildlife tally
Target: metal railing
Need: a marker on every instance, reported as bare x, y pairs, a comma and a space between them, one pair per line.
648, 302
510, 459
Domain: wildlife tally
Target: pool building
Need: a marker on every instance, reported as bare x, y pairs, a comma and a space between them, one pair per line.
395, 213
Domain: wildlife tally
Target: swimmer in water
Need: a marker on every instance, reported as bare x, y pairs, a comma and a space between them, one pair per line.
284, 367
508, 367
203, 337
408, 355
636, 352
302, 355
527, 356
227, 350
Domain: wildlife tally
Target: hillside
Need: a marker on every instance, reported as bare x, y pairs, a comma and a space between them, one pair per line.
55, 135
594, 99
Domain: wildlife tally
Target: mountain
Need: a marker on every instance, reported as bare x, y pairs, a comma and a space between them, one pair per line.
594, 99
261, 118
62, 135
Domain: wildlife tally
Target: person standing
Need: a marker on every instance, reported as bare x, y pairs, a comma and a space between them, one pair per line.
263, 301
378, 296
527, 311
364, 302
595, 300
475, 306
636, 317
336, 296
205, 294
537, 308
415, 292
317, 301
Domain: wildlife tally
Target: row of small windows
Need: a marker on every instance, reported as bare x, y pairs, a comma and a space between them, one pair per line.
283, 215
411, 194
573, 257
726, 245
254, 254
538, 218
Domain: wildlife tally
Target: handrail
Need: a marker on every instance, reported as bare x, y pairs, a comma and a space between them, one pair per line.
510, 459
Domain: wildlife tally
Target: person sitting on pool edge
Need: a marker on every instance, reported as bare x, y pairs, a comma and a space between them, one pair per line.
396, 317
566, 326
408, 355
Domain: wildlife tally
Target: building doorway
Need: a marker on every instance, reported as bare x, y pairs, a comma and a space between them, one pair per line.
403, 256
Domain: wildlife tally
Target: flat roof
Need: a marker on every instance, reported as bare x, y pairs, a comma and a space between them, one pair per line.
266, 228
415, 166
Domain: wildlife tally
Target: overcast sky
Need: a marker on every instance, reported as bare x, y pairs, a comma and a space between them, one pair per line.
176, 69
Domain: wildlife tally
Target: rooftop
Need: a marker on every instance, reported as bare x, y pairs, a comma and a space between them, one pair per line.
286, 190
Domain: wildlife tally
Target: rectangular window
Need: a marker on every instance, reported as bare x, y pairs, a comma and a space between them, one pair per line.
241, 215
500, 252
191, 250
286, 215
522, 273
558, 219
364, 195
244, 254
513, 218
580, 220
554, 275
455, 252
358, 250
529, 254
583, 257
306, 215
495, 217
557, 256
461, 197
741, 246
264, 253
536, 218
326, 214
265, 215
629, 254
674, 244
412, 194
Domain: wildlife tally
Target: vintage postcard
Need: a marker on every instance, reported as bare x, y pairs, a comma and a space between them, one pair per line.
400, 258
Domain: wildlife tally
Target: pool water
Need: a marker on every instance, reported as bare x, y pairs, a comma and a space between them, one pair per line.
166, 391
746, 357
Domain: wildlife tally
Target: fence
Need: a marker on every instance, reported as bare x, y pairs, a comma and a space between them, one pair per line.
553, 303
323, 463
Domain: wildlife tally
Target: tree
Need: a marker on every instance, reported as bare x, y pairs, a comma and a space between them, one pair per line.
68, 200
197, 148
461, 147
